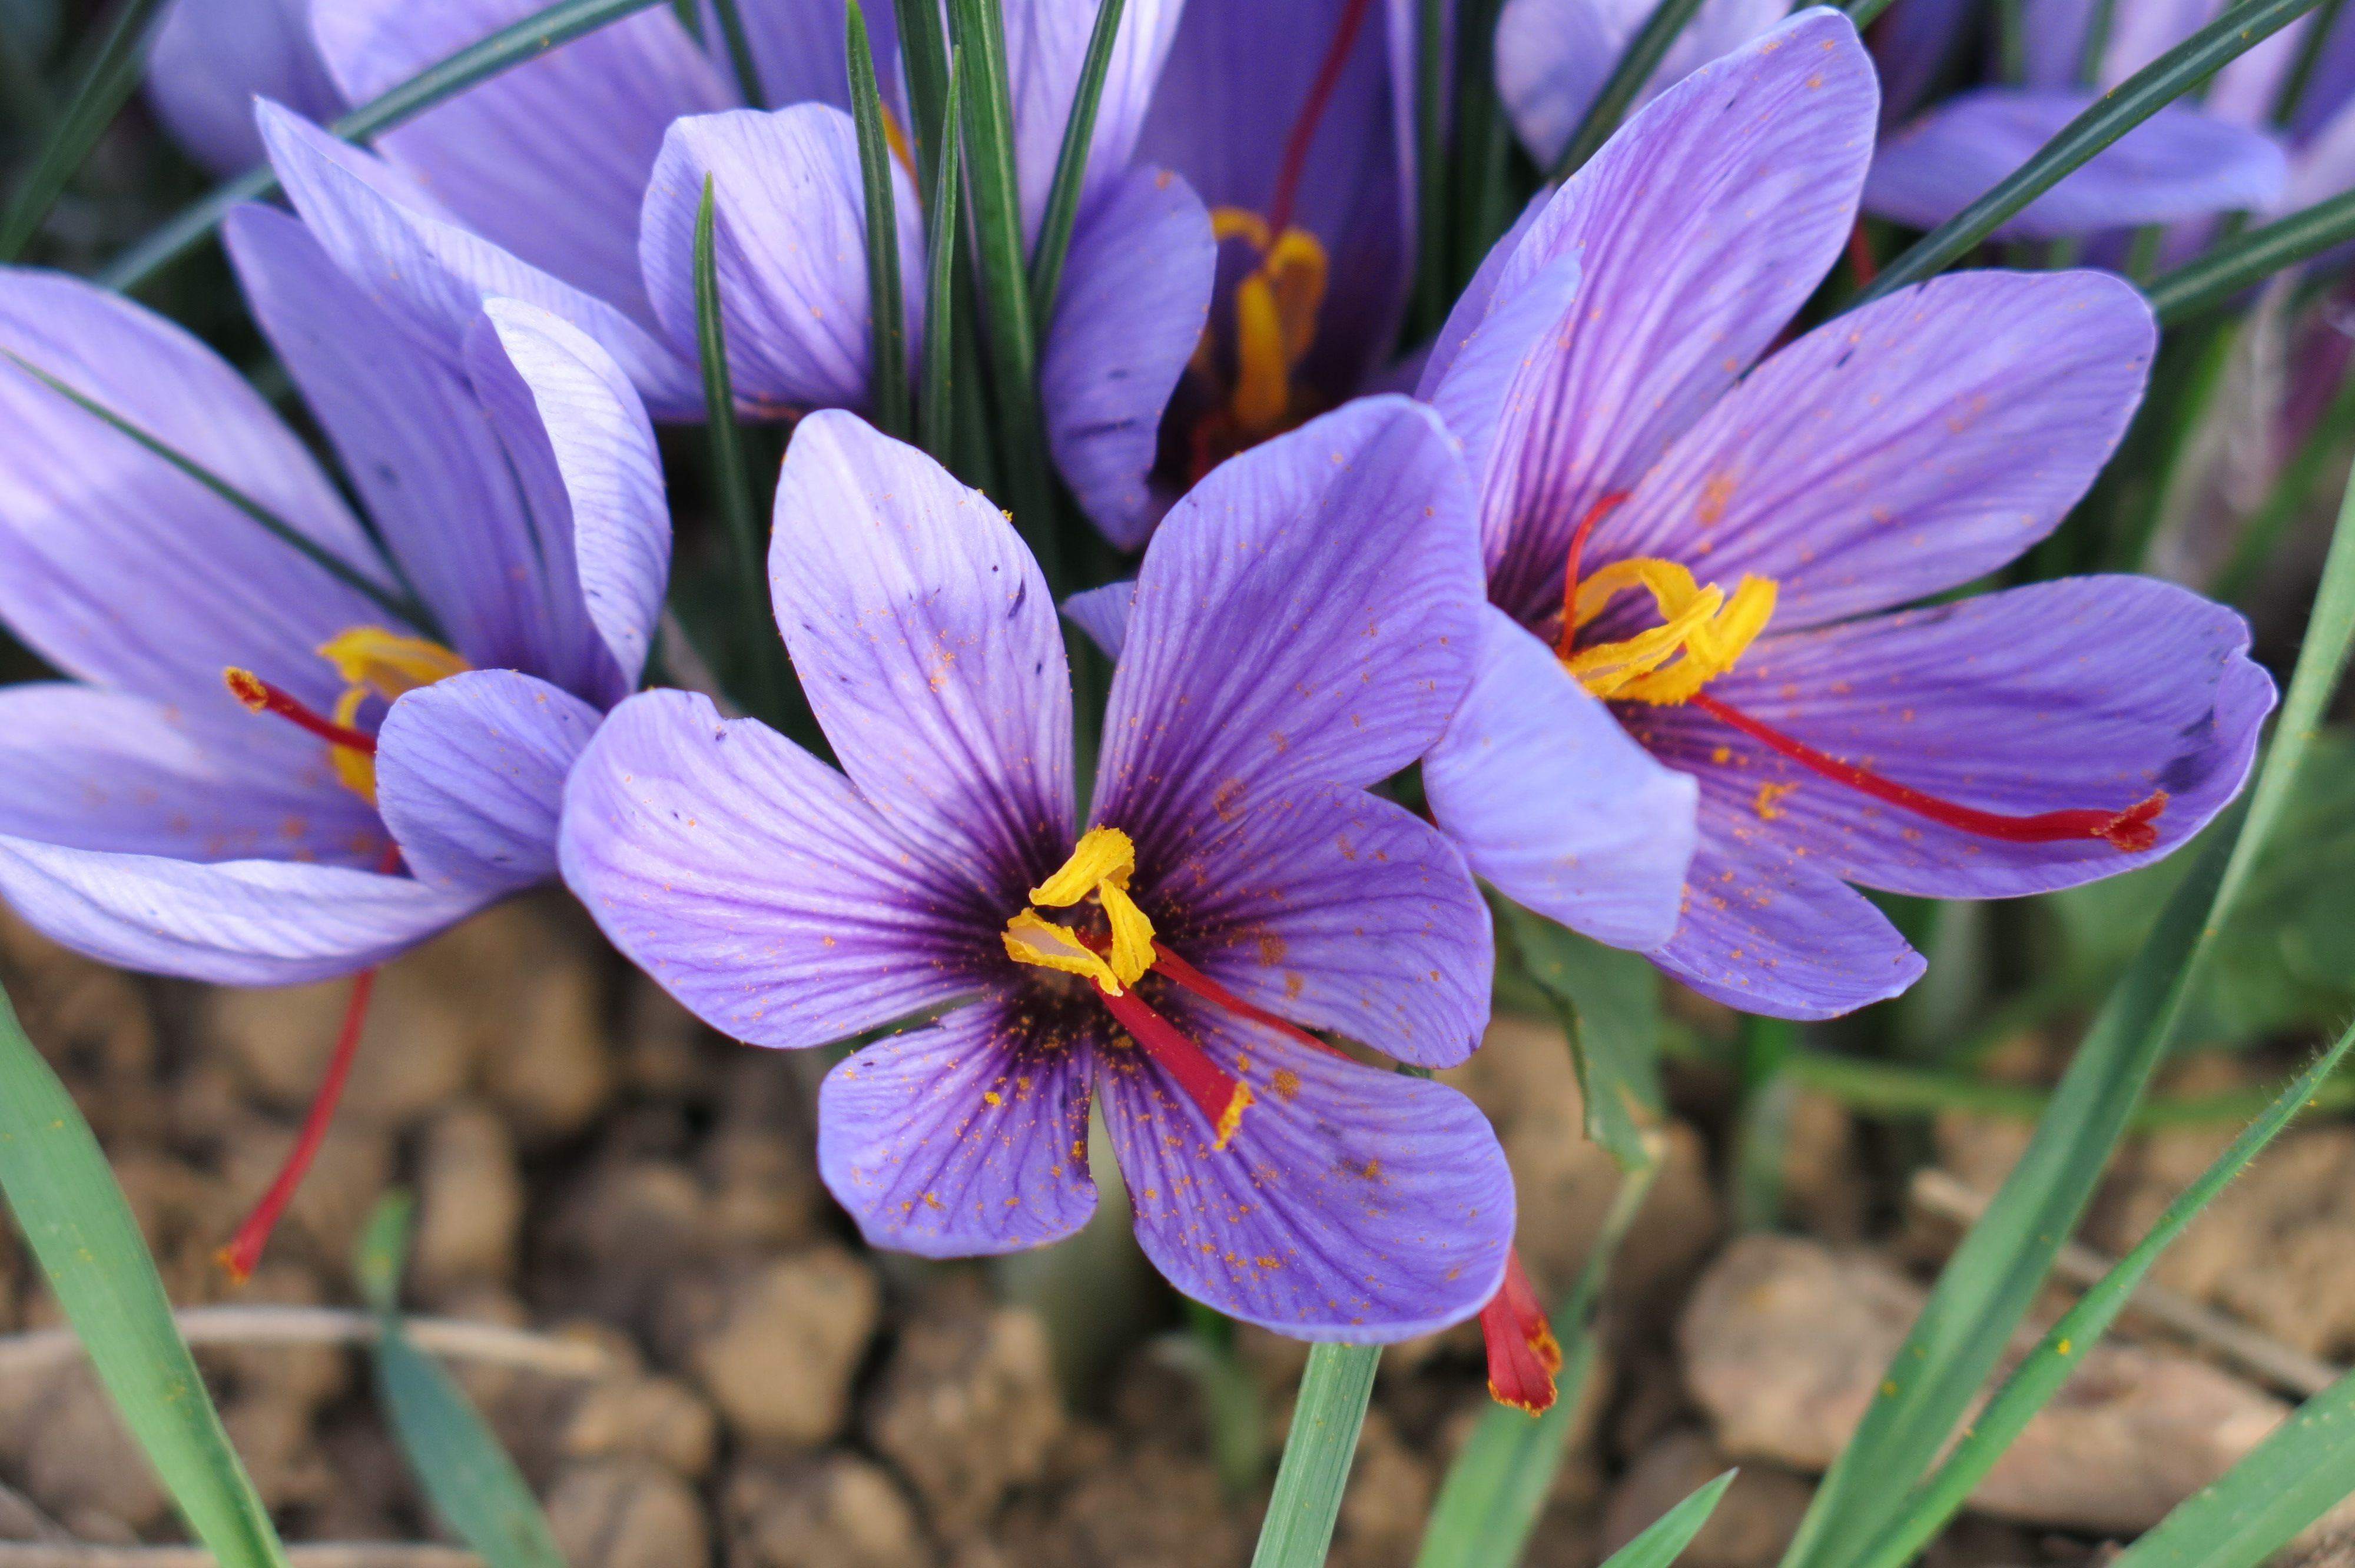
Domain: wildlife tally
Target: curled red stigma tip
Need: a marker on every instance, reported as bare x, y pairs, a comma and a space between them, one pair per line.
1523, 1355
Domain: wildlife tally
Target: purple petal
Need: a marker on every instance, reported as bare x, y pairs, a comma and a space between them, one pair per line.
1473, 305
604, 449
1903, 449
925, 637
2177, 164
1484, 372
751, 881
1553, 57
210, 60
1782, 938
1342, 911
1912, 48
237, 922
1103, 613
1553, 803
964, 1139
1352, 1205
2085, 692
1305, 615
2242, 93
1136, 291
789, 238
799, 47
547, 161
433, 275
1701, 227
470, 775
118, 567
1045, 40
96, 769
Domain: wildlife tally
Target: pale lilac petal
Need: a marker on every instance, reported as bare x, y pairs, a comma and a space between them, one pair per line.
1780, 936
118, 567
1136, 291
1553, 803
1472, 306
1553, 57
2325, 166
547, 161
1306, 614
1103, 613
1045, 40
960, 1140
237, 922
2242, 93
1485, 374
924, 635
751, 880
2177, 164
2084, 693
799, 48
1912, 47
434, 276
789, 238
1352, 1205
604, 450
95, 769
1340, 910
210, 59
1701, 228
1902, 449
470, 777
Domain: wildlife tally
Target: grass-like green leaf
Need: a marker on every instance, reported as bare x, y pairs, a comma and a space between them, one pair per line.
2036, 1379
1071, 165
2180, 70
924, 66
888, 358
1665, 1538
1864, 12
470, 1479
2304, 1467
739, 54
106, 80
477, 62
1609, 1003
1637, 61
1430, 247
1334, 1389
2225, 269
936, 397
2300, 74
89, 1246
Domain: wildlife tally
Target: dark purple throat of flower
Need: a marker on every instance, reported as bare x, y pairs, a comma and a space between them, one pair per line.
1703, 631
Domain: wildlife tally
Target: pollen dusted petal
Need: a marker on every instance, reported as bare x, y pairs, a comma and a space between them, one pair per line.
1781, 936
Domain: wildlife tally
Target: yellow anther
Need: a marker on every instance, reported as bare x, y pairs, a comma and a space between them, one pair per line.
356, 771
1101, 863
1029, 940
389, 663
1239, 223
1103, 854
1275, 316
1701, 629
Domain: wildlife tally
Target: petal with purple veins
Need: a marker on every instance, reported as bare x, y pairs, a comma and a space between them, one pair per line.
1781, 937
1103, 613
1485, 370
1046, 41
1553, 57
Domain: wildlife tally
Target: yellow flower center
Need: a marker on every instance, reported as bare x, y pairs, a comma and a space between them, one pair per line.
1702, 632
1101, 865
1275, 318
374, 661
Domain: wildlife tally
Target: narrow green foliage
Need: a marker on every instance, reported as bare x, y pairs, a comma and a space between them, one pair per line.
924, 63
2175, 73
105, 82
1864, 12
478, 62
738, 509
936, 400
470, 1479
1763, 1135
2223, 271
1071, 165
1609, 1004
887, 354
1666, 1538
2037, 1379
1481, 181
1317, 1454
2309, 54
1641, 58
95, 1262
2304, 1467
739, 54
1431, 270
404, 607
2265, 527
2095, 44
2011, 41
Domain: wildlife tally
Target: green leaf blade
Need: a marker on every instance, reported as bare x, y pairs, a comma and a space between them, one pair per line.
1665, 1538
1609, 1003
1072, 165
887, 354
2302, 1469
936, 397
106, 84
2223, 271
1316, 1455
1637, 61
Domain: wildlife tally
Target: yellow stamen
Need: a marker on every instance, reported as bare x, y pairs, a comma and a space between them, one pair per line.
1275, 316
356, 771
1101, 863
1032, 940
374, 661
1701, 629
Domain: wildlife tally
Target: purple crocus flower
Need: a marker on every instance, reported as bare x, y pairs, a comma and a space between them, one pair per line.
147, 816
1299, 632
1728, 538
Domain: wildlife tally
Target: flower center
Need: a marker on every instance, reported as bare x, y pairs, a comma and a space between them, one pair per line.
372, 662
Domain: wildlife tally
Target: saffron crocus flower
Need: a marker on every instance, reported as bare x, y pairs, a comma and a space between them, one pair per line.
243, 830
1299, 632
1707, 551
210, 59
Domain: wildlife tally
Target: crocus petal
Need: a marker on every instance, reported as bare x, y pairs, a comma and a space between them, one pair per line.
121, 568
95, 769
237, 922
470, 777
1782, 938
1103, 613
2084, 693
603, 448
1912, 47
751, 881
2177, 164
799, 47
1305, 614
1045, 40
1701, 227
210, 60
789, 241
1552, 802
433, 275
1479, 296
964, 1139
1352, 1205
547, 161
925, 637
1342, 911
1903, 449
1484, 374
1553, 57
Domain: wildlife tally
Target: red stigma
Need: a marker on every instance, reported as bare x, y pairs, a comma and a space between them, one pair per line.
1312, 110
2129, 831
1182, 974
1594, 514
1523, 1355
261, 697
1222, 1096
1860, 256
